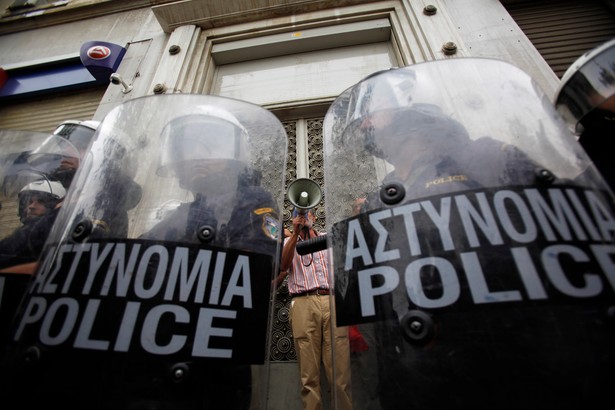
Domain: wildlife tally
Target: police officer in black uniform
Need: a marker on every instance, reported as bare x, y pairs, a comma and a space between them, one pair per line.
171, 310
207, 154
453, 150
26, 243
214, 170
431, 154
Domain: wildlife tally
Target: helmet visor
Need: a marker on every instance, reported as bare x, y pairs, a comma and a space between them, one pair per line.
79, 135
587, 84
201, 139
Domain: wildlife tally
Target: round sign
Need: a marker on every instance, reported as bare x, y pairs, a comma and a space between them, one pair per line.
99, 52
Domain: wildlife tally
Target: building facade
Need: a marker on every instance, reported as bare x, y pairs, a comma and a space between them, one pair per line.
292, 57
286, 42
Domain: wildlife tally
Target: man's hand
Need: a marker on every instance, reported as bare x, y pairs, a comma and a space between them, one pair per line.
299, 222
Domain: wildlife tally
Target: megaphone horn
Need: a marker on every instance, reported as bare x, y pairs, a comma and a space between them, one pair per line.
304, 194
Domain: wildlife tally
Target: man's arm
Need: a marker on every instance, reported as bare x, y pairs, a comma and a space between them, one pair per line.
280, 278
288, 251
24, 268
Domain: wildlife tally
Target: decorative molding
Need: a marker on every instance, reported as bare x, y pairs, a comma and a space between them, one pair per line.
73, 11
211, 14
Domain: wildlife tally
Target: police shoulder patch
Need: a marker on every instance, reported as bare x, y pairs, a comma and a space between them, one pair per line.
270, 225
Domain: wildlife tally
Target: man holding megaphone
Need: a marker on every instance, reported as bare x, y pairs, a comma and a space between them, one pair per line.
310, 313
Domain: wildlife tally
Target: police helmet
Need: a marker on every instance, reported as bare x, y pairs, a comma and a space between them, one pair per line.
79, 133
421, 126
48, 192
69, 142
586, 86
382, 90
209, 134
389, 106
71, 138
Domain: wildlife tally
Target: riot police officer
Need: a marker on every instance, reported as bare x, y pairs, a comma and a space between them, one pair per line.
461, 262
207, 153
55, 159
38, 207
64, 149
586, 100
168, 308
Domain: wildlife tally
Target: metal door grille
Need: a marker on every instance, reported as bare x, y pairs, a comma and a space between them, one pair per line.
562, 30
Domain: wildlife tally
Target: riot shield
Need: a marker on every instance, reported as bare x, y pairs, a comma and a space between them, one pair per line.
27, 197
588, 84
154, 287
16, 172
471, 241
586, 100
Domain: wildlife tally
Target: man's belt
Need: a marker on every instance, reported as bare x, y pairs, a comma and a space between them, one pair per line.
311, 293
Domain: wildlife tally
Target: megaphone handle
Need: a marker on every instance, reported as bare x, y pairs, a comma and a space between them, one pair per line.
318, 243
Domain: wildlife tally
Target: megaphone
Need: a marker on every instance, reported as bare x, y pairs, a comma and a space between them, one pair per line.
304, 194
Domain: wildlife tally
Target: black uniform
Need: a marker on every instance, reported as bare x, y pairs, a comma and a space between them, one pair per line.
252, 224
26, 243
252, 228
452, 362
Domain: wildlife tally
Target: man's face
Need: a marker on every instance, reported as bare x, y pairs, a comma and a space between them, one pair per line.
608, 104
209, 177
35, 207
69, 163
377, 120
192, 172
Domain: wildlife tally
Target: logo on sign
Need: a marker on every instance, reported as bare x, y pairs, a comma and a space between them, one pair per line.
99, 52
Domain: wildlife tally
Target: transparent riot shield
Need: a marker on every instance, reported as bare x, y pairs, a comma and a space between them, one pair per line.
28, 196
471, 240
15, 174
588, 85
586, 100
154, 288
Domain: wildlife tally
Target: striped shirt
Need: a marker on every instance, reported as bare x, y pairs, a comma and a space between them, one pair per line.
315, 275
